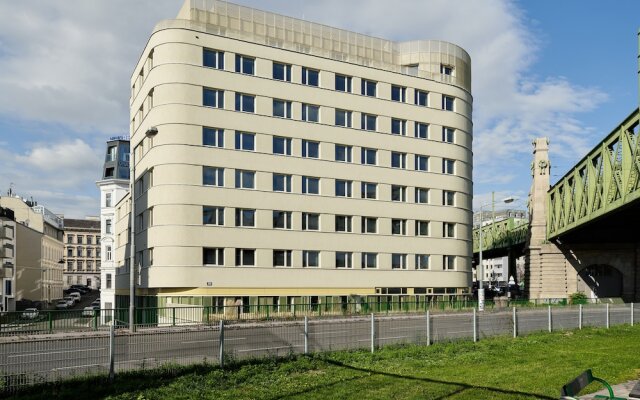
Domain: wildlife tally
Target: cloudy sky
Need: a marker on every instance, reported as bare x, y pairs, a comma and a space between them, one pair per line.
562, 69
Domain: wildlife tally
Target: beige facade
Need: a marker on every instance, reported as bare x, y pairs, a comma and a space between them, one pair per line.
38, 251
82, 252
7, 260
296, 159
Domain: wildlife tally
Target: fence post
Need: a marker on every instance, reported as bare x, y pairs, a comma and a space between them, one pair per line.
373, 333
428, 329
95, 320
515, 323
632, 314
306, 335
112, 352
173, 315
475, 326
580, 316
607, 316
221, 340
550, 326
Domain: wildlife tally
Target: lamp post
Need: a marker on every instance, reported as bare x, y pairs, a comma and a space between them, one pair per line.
480, 266
151, 132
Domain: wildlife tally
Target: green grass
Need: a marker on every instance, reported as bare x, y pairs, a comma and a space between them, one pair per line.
530, 367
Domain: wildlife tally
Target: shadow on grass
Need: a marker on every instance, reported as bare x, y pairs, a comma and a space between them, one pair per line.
461, 387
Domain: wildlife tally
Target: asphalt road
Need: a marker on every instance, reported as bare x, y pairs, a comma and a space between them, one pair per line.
51, 358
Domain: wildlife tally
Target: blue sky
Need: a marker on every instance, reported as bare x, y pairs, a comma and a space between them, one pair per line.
563, 69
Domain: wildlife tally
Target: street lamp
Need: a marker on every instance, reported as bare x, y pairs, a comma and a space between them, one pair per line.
507, 200
151, 132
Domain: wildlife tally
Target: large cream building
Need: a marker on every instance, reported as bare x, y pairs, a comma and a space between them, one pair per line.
295, 162
82, 252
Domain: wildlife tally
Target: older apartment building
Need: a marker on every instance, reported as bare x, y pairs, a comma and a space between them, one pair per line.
295, 163
82, 252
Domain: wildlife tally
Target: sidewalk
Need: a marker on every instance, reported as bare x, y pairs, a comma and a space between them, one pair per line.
621, 390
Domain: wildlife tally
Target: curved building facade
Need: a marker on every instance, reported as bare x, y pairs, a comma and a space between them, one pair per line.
296, 161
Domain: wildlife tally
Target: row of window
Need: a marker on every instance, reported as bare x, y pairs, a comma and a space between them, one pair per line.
311, 259
83, 252
246, 217
244, 179
311, 113
80, 266
311, 77
80, 239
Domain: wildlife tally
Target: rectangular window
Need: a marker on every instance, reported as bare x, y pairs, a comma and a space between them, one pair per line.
368, 156
89, 239
368, 190
80, 265
245, 217
310, 185
398, 160
343, 223
107, 226
282, 146
448, 166
398, 193
448, 198
213, 98
448, 134
398, 226
422, 163
245, 65
448, 103
108, 253
343, 188
212, 256
446, 69
310, 77
282, 258
369, 260
310, 149
449, 262
422, 195
369, 88
107, 202
343, 83
245, 179
282, 219
310, 113
213, 58
212, 137
69, 251
281, 183
109, 280
310, 258
369, 225
422, 228
344, 259
398, 93
245, 257
422, 130
281, 108
398, 126
422, 261
422, 98
343, 153
282, 72
398, 261
449, 230
70, 237
213, 176
343, 118
245, 102
245, 141
368, 122
213, 215
310, 221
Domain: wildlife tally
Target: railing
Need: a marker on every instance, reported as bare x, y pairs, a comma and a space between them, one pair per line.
500, 234
59, 321
29, 360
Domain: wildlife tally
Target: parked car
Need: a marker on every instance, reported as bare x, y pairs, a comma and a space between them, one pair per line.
76, 296
62, 304
30, 313
81, 288
70, 301
88, 312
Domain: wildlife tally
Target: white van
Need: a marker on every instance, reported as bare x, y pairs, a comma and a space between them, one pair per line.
75, 296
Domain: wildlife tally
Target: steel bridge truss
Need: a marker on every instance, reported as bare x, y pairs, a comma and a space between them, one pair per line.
605, 179
500, 235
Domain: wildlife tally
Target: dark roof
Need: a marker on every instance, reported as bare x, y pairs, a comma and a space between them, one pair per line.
70, 224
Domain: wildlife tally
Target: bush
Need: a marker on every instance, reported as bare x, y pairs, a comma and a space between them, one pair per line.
577, 298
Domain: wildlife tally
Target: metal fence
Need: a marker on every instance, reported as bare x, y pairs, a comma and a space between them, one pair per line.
28, 360
56, 321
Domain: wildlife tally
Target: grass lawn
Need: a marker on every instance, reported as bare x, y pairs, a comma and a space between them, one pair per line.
530, 367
